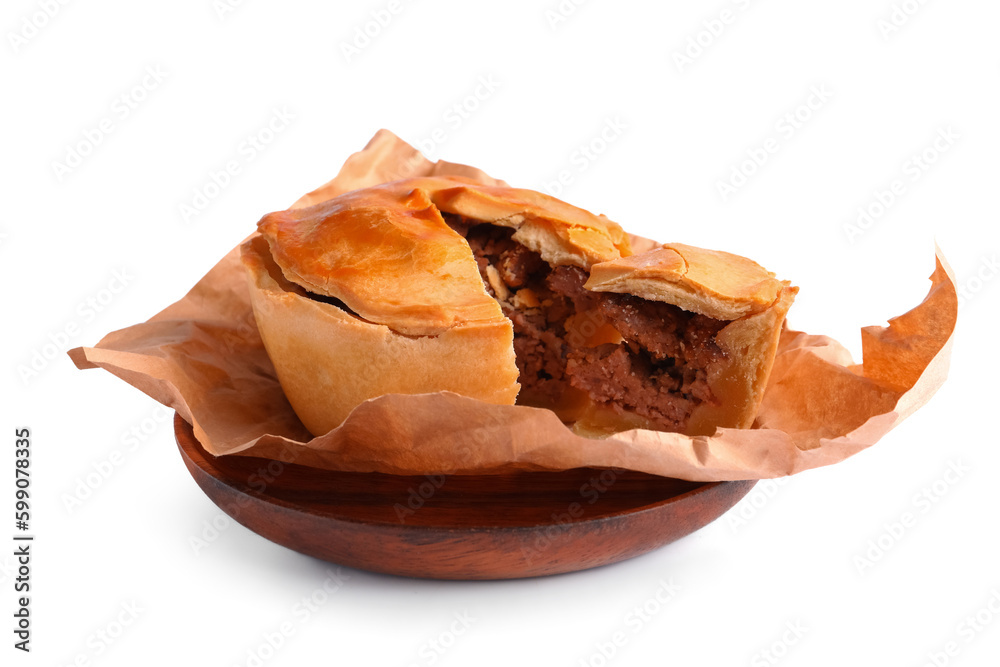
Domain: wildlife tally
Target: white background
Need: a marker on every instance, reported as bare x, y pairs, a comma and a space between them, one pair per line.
787, 555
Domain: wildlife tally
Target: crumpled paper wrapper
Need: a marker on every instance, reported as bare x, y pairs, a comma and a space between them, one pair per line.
202, 356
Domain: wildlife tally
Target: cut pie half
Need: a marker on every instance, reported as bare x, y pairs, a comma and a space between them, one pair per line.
508, 296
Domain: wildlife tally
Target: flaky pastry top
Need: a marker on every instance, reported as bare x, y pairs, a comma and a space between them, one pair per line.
717, 284
387, 253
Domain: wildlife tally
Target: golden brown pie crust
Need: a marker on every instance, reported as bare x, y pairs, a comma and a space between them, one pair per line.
403, 308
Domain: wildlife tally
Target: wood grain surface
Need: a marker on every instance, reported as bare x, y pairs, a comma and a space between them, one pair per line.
504, 526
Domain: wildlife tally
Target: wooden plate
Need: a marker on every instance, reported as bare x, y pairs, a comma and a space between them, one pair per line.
523, 524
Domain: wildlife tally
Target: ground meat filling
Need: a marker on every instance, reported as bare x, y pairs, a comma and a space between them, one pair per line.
656, 367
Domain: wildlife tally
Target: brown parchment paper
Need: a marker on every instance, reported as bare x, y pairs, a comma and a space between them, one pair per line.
202, 356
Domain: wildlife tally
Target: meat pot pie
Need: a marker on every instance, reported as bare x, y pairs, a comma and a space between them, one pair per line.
508, 296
